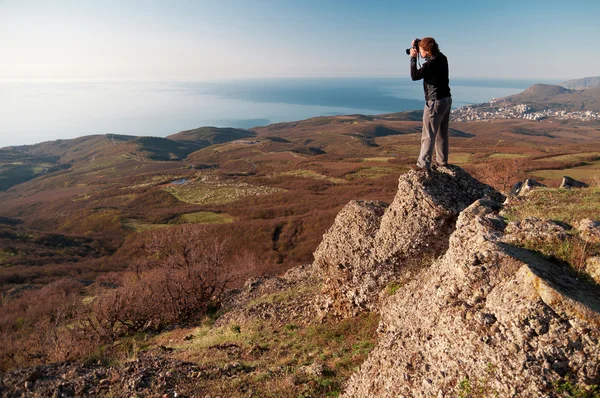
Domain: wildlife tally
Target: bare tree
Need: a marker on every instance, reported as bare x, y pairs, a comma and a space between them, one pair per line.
501, 174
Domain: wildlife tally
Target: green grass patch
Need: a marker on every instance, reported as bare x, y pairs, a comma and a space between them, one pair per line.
587, 173
565, 205
573, 157
202, 217
392, 288
282, 351
459, 158
216, 191
507, 156
5, 257
205, 217
372, 172
277, 352
312, 175
566, 388
381, 159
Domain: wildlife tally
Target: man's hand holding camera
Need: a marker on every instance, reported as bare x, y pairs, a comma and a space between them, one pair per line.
413, 51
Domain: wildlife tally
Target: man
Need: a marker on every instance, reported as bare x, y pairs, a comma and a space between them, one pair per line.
438, 102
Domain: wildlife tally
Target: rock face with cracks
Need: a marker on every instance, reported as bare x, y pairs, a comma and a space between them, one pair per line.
371, 243
486, 319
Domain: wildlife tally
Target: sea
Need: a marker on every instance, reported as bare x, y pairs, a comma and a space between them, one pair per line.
37, 111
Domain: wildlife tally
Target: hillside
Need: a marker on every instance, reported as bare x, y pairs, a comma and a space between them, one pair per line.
581, 84
539, 91
104, 225
436, 296
23, 163
554, 97
205, 136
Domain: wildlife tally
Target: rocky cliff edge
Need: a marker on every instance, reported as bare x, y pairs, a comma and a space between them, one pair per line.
373, 244
481, 317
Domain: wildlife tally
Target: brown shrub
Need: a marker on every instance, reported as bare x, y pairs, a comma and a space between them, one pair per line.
184, 274
501, 174
33, 326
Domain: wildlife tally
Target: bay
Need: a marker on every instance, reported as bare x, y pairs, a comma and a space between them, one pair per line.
36, 111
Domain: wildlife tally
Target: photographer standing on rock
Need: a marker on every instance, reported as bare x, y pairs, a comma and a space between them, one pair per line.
438, 101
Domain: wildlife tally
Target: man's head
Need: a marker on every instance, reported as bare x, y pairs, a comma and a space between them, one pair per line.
428, 47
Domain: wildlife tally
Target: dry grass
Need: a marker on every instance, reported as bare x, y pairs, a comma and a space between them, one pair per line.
210, 190
206, 217
566, 205
374, 172
276, 357
312, 175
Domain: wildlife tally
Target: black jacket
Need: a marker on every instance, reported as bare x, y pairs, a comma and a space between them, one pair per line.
434, 73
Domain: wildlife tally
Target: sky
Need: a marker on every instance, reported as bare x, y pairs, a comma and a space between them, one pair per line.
223, 39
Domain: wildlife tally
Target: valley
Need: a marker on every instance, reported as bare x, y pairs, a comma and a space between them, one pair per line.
82, 217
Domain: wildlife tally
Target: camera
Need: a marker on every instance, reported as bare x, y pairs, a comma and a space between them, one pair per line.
416, 46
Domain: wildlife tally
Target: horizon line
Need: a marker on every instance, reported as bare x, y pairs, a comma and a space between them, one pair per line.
216, 79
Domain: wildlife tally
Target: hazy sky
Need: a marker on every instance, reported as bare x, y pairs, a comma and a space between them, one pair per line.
202, 39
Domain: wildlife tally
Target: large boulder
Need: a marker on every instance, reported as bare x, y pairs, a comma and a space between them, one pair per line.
569, 183
486, 319
592, 268
529, 185
371, 244
589, 230
535, 230
344, 259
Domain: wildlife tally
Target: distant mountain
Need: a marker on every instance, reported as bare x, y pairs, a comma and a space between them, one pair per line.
554, 97
90, 147
541, 91
582, 84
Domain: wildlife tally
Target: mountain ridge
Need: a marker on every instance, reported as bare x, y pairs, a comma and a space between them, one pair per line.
583, 83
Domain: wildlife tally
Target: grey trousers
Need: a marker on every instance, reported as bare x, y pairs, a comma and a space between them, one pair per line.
436, 116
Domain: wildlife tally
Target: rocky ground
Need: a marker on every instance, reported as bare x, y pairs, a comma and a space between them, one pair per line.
468, 308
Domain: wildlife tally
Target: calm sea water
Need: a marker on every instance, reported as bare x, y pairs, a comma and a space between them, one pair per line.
32, 112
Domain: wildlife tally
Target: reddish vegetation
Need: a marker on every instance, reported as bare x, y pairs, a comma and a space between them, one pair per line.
68, 229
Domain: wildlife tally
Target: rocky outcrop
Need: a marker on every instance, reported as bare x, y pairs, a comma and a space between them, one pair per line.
534, 229
151, 374
589, 230
569, 183
529, 185
371, 244
486, 319
592, 268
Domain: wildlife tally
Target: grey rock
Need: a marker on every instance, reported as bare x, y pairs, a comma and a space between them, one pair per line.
315, 369
534, 229
531, 323
589, 230
569, 183
592, 268
372, 244
516, 188
529, 185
